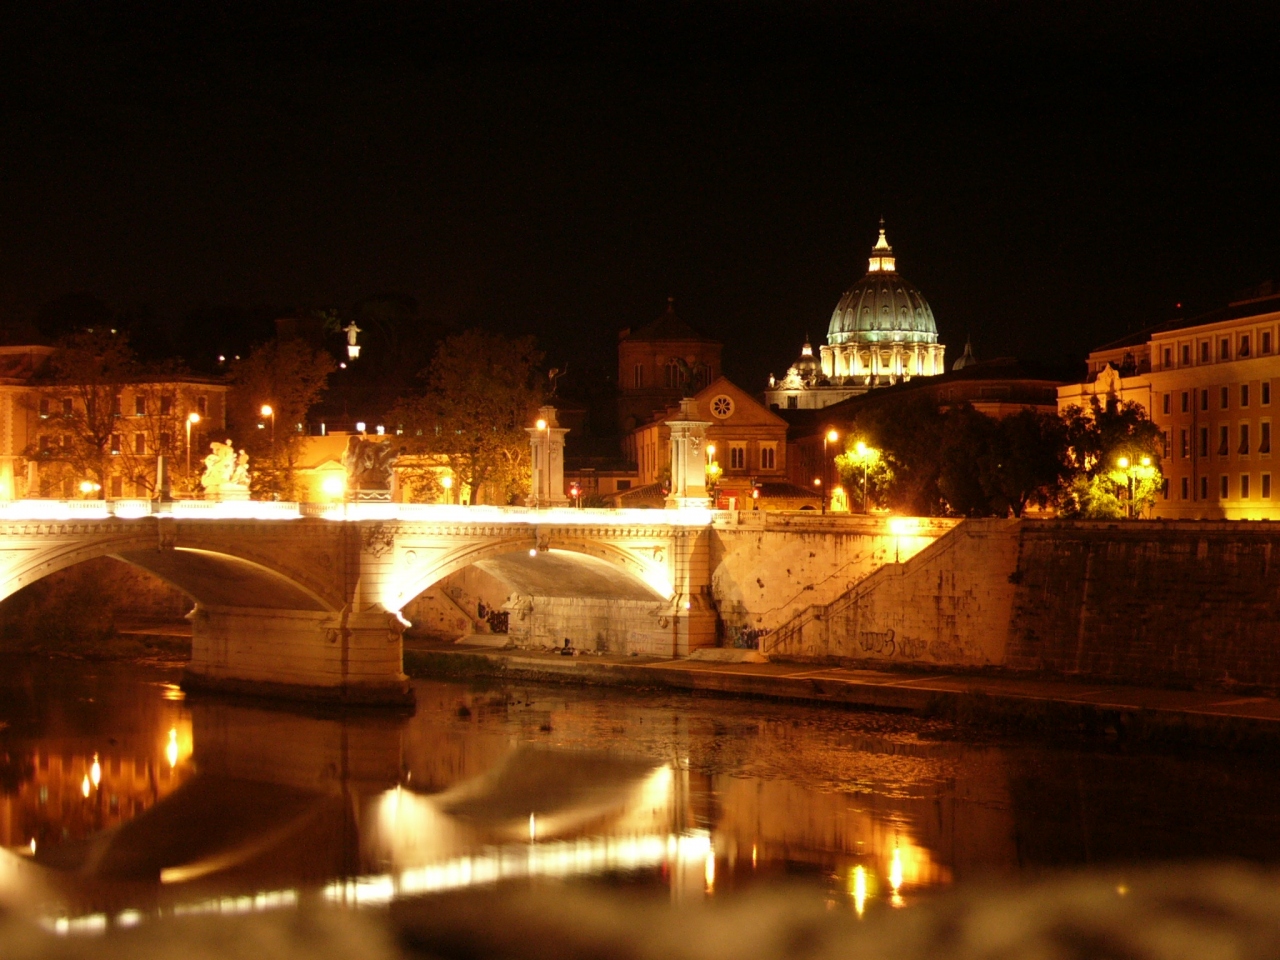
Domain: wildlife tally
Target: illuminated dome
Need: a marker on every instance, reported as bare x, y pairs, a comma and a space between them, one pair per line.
882, 307
882, 332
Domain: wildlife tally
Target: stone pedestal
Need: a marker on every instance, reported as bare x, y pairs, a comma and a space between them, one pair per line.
546, 446
688, 458
8, 483
299, 654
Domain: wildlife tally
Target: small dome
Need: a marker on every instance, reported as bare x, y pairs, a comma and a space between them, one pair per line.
882, 306
807, 364
967, 359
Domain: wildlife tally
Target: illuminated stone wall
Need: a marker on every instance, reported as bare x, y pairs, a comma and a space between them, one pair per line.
770, 569
946, 602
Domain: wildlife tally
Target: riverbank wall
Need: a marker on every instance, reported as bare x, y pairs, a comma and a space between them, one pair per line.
1148, 602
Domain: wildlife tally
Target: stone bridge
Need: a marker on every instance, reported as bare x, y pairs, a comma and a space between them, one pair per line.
307, 599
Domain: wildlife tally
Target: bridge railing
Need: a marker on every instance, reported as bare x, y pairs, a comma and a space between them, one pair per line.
18, 510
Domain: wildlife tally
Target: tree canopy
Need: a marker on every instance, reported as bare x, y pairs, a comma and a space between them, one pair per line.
482, 392
289, 376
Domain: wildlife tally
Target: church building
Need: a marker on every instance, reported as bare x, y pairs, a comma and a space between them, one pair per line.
882, 332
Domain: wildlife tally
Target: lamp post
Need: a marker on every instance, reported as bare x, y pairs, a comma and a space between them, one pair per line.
1123, 464
1133, 471
829, 437
447, 482
192, 419
269, 411
864, 454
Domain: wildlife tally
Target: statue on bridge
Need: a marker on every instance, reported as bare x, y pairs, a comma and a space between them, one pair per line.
226, 473
369, 468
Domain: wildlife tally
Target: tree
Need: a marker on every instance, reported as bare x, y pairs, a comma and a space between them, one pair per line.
1028, 462
908, 433
289, 377
967, 463
481, 394
863, 466
1114, 452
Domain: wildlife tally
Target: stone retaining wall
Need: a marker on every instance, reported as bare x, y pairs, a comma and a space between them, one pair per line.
1152, 601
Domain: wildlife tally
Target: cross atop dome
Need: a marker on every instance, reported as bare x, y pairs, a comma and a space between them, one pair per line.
882, 259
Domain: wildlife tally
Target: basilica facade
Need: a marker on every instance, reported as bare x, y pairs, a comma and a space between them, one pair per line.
882, 332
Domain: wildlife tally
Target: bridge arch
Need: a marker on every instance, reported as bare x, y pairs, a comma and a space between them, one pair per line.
214, 572
569, 566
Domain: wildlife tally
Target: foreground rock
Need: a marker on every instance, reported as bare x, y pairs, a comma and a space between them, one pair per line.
1176, 914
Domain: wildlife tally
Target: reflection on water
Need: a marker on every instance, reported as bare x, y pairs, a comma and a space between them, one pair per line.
119, 799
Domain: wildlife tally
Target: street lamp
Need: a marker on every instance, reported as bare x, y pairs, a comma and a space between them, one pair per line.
866, 456
447, 482
1132, 472
192, 419
827, 438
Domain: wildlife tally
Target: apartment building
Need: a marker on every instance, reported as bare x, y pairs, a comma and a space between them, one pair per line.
1208, 383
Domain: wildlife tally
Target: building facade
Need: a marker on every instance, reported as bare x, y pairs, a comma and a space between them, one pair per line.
52, 445
746, 441
1208, 384
653, 363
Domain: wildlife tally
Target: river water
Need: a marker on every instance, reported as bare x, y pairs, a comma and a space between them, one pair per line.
120, 799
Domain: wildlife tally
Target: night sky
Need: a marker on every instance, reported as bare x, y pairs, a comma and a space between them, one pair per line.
1052, 175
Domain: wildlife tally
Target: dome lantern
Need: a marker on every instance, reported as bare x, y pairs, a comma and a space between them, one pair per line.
882, 259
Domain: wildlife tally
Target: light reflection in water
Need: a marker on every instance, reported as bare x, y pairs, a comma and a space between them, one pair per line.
859, 888
387, 807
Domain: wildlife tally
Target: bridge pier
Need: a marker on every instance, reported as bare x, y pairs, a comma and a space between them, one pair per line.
342, 657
